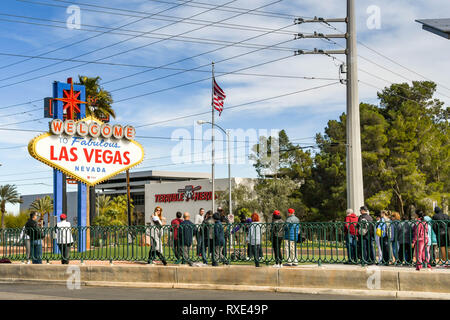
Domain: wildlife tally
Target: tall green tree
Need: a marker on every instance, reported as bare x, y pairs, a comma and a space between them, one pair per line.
279, 157
43, 206
8, 194
405, 153
99, 99
282, 167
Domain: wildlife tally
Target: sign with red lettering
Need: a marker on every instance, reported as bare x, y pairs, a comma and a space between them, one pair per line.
87, 150
188, 193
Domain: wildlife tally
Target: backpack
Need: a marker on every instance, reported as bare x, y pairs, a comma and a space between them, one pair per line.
278, 229
364, 227
210, 230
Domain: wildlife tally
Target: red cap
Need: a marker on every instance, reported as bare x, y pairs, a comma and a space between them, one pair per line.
63, 216
276, 213
290, 210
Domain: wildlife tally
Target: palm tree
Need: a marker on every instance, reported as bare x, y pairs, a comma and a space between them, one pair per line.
103, 204
99, 100
44, 206
8, 194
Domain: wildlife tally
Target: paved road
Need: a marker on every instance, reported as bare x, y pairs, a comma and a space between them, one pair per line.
15, 291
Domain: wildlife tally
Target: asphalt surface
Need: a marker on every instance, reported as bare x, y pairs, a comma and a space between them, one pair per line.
36, 291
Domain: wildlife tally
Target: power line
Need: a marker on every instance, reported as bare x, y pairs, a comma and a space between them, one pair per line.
200, 54
120, 12
224, 8
98, 35
141, 34
187, 116
223, 74
391, 60
233, 26
49, 45
15, 147
10, 124
23, 112
140, 47
236, 106
380, 78
167, 68
146, 45
20, 104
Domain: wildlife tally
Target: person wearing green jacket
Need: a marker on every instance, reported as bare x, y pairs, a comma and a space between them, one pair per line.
432, 241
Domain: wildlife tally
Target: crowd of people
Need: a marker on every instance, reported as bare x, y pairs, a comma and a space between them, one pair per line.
383, 238
386, 239
213, 232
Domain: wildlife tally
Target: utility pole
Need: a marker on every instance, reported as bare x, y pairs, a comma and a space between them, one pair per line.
212, 141
128, 198
355, 187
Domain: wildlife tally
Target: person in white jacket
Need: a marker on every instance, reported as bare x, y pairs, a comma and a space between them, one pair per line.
27, 244
64, 238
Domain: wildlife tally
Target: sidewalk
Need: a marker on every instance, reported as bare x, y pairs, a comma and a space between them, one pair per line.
326, 279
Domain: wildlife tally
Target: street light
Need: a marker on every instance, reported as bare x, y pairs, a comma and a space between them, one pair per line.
200, 122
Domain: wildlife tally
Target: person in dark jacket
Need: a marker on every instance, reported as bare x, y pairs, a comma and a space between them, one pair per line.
277, 235
186, 235
208, 236
404, 235
366, 233
219, 241
36, 235
176, 243
226, 229
442, 230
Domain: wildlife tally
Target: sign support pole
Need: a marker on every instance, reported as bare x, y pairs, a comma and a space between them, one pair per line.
58, 176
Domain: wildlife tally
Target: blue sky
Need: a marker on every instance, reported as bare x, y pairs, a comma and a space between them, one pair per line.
302, 115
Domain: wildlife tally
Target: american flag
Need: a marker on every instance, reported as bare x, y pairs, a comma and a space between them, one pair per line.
218, 97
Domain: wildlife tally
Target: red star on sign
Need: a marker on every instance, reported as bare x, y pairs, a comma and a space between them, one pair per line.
71, 102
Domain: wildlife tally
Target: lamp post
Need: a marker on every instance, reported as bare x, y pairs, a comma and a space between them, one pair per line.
200, 122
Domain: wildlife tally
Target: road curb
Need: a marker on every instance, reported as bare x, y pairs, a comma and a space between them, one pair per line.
193, 286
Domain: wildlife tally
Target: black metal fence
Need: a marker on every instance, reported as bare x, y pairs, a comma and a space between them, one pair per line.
389, 243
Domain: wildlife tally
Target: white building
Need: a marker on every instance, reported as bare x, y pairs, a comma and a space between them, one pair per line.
150, 189
185, 196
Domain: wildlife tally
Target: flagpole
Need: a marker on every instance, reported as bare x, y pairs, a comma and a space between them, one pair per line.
212, 138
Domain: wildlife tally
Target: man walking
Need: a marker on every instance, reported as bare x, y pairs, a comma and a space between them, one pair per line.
36, 235
290, 236
64, 238
176, 243
186, 234
351, 221
366, 232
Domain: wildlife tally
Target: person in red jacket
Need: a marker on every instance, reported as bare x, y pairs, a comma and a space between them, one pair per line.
350, 231
175, 223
